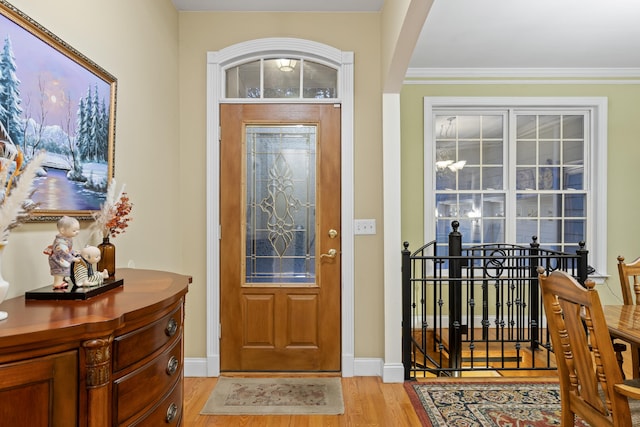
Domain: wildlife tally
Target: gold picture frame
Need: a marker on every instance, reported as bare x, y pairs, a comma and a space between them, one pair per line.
60, 102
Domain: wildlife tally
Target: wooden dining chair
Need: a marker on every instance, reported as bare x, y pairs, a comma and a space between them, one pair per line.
591, 383
629, 274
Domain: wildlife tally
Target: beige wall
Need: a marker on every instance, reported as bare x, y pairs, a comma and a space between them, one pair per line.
201, 32
137, 43
159, 58
623, 154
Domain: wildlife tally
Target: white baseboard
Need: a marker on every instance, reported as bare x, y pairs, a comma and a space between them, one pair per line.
362, 367
367, 367
195, 367
393, 373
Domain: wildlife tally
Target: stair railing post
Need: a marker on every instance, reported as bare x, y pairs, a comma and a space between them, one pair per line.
455, 299
583, 263
406, 311
534, 291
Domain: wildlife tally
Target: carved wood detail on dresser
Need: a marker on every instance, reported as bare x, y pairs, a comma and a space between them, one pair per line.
113, 360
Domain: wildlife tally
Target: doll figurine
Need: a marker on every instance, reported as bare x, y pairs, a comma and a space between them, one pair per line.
83, 271
61, 253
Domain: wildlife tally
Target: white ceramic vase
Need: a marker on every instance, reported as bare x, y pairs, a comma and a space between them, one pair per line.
4, 285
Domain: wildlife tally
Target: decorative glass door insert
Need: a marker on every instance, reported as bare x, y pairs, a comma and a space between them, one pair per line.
281, 204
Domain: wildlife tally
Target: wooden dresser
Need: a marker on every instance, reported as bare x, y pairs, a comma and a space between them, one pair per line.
113, 360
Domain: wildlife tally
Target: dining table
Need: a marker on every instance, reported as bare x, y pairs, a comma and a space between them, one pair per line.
623, 322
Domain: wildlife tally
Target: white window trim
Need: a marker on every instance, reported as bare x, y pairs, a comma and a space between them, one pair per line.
597, 158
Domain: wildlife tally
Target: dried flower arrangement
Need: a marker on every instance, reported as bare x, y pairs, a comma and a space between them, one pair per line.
114, 216
15, 200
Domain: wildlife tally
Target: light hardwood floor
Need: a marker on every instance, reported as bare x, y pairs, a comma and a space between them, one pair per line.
367, 400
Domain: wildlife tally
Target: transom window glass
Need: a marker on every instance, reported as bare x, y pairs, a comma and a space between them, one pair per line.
285, 77
508, 174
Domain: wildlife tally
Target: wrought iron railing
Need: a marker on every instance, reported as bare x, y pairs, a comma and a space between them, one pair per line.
479, 307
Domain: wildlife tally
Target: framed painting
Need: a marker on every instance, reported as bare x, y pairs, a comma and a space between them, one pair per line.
56, 100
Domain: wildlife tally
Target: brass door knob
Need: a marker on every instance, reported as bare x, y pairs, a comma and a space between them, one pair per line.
331, 253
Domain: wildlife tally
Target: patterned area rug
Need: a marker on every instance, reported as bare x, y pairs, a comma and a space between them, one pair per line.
487, 403
251, 396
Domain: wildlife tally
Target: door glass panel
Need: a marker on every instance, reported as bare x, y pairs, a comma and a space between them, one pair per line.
281, 202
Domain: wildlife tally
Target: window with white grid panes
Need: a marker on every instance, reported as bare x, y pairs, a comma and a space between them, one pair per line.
508, 175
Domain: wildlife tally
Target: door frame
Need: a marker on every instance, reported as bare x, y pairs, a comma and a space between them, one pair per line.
217, 62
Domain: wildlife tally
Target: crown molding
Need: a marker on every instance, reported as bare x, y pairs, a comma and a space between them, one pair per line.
520, 73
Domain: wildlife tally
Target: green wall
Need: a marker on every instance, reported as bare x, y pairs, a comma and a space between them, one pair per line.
623, 203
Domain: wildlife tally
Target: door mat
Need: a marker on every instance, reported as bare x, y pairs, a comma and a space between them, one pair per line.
487, 403
273, 396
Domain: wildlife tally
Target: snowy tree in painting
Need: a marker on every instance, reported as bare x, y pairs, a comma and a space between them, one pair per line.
10, 109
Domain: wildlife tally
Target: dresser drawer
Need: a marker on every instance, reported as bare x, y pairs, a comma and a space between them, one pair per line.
140, 389
135, 346
167, 413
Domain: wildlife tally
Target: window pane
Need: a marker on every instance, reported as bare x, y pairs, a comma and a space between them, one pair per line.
443, 228
492, 152
470, 234
550, 205
525, 230
445, 180
575, 205
573, 127
319, 81
468, 127
493, 230
526, 127
527, 205
243, 81
446, 205
550, 231
470, 205
445, 151
573, 152
445, 126
469, 178
469, 151
549, 178
492, 178
574, 230
573, 178
493, 205
492, 127
549, 153
525, 178
526, 153
548, 127
281, 78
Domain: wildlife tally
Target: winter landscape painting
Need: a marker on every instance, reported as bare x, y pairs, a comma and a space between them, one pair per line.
52, 98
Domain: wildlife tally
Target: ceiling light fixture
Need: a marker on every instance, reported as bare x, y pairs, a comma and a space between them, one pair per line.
286, 64
453, 166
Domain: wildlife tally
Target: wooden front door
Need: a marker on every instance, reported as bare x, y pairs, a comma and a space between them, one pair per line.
280, 237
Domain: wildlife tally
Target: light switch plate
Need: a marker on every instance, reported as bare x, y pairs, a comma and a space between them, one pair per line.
365, 226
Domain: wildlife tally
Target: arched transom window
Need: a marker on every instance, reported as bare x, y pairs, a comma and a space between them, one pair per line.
282, 77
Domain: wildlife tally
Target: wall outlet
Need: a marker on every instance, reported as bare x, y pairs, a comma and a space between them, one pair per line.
365, 226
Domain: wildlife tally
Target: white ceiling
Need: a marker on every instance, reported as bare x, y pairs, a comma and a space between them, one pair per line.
498, 34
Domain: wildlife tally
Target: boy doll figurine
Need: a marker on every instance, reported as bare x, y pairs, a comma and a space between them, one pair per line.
83, 271
61, 253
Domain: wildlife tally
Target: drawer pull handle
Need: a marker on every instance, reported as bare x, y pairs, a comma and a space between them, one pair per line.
172, 327
172, 366
172, 411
